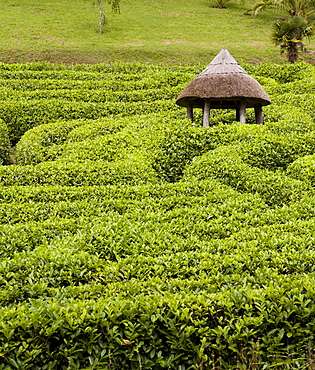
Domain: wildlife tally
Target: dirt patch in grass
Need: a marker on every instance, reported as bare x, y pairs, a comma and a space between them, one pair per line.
129, 55
57, 40
170, 53
54, 56
133, 44
169, 42
309, 56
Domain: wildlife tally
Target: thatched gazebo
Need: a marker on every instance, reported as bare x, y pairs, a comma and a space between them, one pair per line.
224, 85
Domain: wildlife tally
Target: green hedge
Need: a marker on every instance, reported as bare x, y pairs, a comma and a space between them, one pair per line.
156, 331
276, 151
303, 169
23, 115
131, 171
180, 143
5, 146
23, 236
26, 86
41, 143
54, 140
225, 164
288, 119
208, 284
133, 239
100, 95
282, 73
98, 140
305, 102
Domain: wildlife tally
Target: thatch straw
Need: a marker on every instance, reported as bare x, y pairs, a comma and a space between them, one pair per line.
226, 83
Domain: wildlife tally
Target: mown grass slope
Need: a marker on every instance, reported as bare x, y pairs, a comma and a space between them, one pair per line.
166, 31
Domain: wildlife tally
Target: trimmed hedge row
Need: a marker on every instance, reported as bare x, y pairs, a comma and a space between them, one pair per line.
102, 139
303, 169
164, 75
157, 331
285, 73
305, 101
140, 84
24, 115
96, 95
276, 151
226, 165
132, 171
40, 143
4, 142
179, 144
181, 193
150, 242
23, 236
281, 73
115, 68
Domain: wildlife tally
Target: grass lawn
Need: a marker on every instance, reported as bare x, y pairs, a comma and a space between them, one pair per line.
147, 31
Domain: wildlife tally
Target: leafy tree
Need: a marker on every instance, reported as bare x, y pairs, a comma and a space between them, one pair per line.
115, 8
289, 34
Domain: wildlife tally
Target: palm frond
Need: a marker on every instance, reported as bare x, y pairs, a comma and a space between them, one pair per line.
262, 5
295, 8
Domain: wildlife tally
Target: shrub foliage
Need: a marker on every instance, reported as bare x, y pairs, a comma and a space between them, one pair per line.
4, 142
133, 239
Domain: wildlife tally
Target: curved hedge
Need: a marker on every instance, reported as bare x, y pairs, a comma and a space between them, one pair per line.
4, 142
225, 164
23, 115
133, 239
132, 171
303, 169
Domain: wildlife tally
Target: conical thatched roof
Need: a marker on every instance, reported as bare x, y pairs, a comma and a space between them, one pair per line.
226, 83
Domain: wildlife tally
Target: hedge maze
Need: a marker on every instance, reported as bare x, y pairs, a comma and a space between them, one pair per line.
131, 238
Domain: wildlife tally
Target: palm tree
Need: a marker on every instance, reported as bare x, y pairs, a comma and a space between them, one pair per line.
289, 33
295, 8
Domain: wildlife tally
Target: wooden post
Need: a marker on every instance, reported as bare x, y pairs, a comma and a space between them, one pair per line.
190, 111
258, 114
243, 111
206, 113
237, 114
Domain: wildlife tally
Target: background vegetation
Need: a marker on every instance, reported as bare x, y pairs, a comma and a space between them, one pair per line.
150, 31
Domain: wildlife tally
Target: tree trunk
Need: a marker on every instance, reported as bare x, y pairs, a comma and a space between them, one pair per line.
101, 17
293, 53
